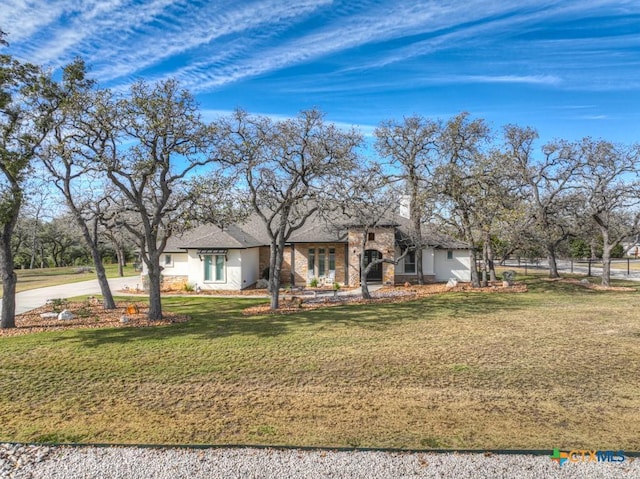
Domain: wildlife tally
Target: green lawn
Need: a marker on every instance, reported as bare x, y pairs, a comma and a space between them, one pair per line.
41, 278
556, 367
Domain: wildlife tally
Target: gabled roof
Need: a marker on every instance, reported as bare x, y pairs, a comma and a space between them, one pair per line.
252, 233
209, 235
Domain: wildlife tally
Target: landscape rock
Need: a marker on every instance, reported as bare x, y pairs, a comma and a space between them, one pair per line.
65, 314
452, 283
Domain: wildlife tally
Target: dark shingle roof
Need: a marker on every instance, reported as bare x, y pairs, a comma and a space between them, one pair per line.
252, 233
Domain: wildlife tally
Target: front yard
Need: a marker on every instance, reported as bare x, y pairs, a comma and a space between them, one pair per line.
556, 367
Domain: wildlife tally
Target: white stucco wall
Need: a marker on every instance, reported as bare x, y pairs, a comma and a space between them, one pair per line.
179, 266
250, 264
458, 267
241, 270
427, 262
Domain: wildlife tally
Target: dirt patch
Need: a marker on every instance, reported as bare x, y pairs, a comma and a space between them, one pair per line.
88, 315
589, 285
386, 294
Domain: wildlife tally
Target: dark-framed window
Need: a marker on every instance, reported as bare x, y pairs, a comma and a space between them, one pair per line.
311, 261
322, 262
410, 262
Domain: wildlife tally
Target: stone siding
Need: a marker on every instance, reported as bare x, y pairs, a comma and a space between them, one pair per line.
174, 283
301, 259
301, 262
384, 242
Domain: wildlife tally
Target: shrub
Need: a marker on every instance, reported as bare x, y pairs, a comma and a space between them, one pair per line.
313, 283
189, 287
58, 304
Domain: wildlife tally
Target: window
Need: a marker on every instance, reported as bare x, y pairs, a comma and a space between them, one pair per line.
449, 254
311, 262
372, 236
167, 261
321, 262
332, 259
410, 262
214, 268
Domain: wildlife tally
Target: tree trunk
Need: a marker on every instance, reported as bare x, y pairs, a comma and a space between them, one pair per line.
276, 255
92, 243
32, 262
551, 258
417, 231
485, 264
491, 261
9, 277
101, 274
364, 287
475, 281
419, 272
120, 258
9, 280
155, 301
606, 260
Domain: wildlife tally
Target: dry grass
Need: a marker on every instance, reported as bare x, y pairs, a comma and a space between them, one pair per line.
554, 367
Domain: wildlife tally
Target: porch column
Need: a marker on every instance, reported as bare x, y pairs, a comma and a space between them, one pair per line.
293, 265
346, 264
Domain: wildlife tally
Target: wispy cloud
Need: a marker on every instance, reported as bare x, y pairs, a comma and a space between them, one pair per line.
531, 79
210, 44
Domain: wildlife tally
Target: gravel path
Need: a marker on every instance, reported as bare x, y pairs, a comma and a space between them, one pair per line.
35, 462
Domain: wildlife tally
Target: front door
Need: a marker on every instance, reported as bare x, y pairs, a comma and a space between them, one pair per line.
375, 274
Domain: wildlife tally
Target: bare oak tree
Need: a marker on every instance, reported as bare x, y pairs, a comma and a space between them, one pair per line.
150, 142
72, 158
412, 146
549, 185
610, 187
364, 202
287, 167
462, 146
28, 98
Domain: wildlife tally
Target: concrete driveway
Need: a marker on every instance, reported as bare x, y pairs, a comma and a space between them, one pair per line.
34, 298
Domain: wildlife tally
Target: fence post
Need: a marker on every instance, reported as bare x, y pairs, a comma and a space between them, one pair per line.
628, 266
572, 265
589, 273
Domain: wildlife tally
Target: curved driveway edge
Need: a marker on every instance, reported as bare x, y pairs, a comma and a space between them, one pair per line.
34, 298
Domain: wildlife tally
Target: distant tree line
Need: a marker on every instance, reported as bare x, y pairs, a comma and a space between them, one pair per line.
88, 174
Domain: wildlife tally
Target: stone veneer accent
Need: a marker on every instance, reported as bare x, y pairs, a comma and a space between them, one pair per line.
173, 282
301, 263
384, 242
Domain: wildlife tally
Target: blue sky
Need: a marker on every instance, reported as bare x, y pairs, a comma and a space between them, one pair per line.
567, 68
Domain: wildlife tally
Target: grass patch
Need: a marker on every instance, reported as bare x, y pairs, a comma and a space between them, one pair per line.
554, 367
42, 278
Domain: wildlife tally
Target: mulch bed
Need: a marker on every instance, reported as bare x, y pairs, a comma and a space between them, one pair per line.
88, 315
387, 294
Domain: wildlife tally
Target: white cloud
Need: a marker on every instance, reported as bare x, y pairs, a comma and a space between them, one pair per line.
532, 79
